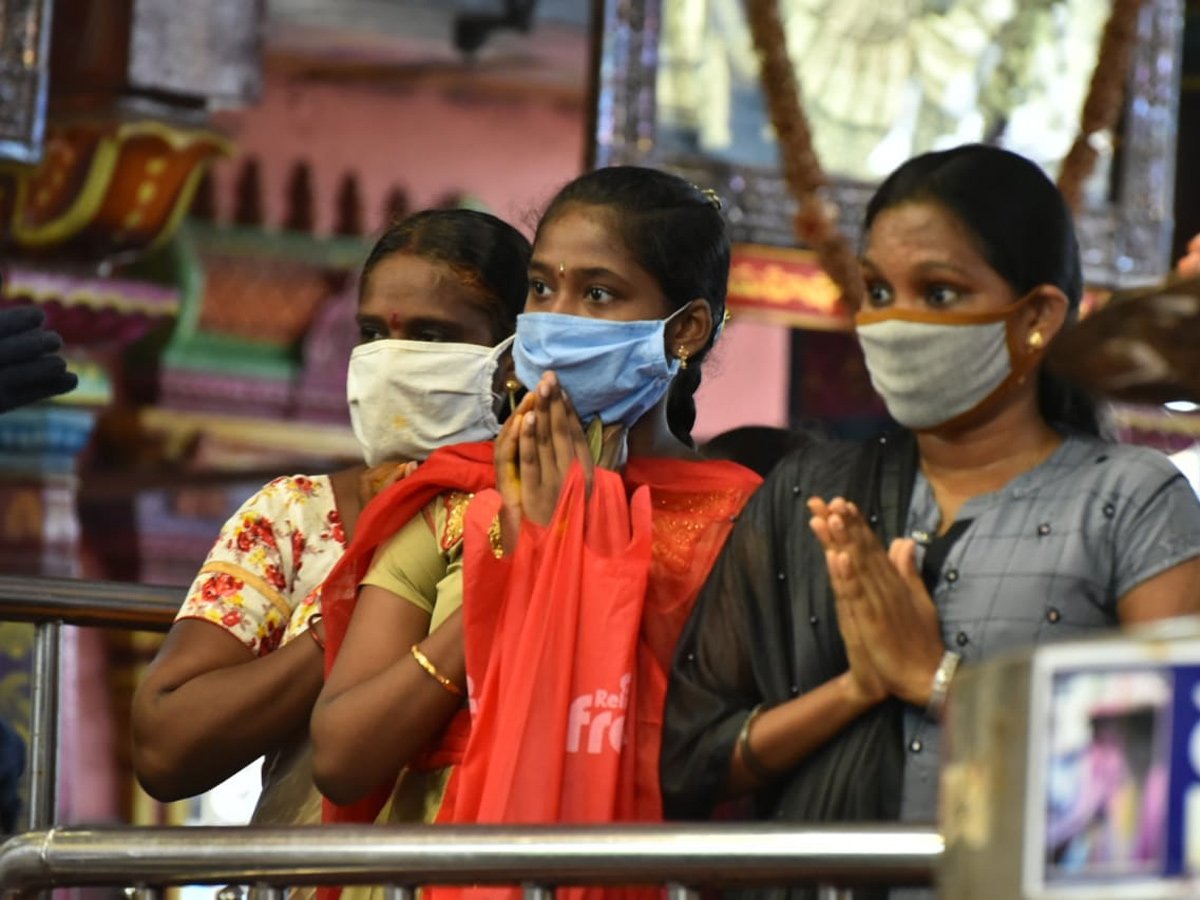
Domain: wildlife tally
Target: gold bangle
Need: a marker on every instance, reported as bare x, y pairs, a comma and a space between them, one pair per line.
424, 663
496, 538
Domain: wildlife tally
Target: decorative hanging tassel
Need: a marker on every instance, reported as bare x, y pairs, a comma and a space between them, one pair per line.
801, 169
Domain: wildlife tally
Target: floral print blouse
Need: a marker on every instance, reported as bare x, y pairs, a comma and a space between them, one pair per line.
260, 579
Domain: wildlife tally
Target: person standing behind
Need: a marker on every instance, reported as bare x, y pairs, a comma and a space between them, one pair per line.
30, 370
30, 367
240, 669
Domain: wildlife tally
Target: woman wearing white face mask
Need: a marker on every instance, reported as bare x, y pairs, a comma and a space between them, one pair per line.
816, 664
522, 680
244, 661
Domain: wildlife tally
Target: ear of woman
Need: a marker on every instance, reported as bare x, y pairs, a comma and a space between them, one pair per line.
1047, 314
689, 331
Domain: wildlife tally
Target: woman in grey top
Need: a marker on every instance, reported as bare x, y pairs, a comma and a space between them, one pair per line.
814, 667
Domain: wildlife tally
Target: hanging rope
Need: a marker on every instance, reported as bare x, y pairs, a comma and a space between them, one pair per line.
801, 169
1105, 98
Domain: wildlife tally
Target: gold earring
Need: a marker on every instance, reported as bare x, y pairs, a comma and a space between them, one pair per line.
512, 386
1036, 340
562, 268
682, 355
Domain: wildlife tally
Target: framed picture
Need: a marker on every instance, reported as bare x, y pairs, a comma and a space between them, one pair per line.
24, 78
1112, 785
678, 89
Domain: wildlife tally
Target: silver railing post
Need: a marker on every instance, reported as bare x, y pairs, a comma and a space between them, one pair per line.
45, 702
833, 892
682, 892
398, 892
536, 858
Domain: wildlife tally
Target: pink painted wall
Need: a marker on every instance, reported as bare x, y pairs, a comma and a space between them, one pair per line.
512, 154
746, 379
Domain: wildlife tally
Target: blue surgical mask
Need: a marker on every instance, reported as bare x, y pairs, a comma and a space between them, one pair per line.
614, 370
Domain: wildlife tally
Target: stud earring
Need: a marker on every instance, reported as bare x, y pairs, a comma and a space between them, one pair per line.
1036, 340
562, 268
682, 355
512, 386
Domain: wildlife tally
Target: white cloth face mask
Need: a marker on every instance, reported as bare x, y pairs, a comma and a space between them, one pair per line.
408, 398
928, 374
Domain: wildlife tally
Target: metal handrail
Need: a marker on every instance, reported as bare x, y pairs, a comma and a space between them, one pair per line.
106, 604
692, 855
50, 603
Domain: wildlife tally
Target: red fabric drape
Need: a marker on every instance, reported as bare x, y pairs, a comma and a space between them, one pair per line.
464, 467
569, 640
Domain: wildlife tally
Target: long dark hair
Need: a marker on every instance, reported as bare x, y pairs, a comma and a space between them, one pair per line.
1023, 228
485, 251
677, 234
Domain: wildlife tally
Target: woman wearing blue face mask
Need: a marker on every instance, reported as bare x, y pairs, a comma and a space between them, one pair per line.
243, 663
817, 662
522, 679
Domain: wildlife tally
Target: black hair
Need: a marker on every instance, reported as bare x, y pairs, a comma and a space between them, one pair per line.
486, 251
1022, 227
759, 447
676, 233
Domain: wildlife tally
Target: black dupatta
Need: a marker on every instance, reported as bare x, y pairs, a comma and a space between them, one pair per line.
764, 630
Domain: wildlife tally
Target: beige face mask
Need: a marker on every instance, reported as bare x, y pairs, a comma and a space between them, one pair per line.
408, 398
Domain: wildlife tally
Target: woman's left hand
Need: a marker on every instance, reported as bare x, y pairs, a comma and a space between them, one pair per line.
896, 615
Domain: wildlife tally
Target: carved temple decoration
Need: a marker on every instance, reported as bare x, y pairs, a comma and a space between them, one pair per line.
106, 189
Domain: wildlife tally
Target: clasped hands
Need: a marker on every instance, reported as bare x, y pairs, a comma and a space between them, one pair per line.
886, 617
535, 450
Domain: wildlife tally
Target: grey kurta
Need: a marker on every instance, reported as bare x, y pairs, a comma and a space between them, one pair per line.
1047, 558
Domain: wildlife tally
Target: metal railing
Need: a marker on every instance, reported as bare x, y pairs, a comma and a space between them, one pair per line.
538, 858
683, 857
50, 603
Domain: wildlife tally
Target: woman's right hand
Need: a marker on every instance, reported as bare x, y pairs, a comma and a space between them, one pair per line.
867, 686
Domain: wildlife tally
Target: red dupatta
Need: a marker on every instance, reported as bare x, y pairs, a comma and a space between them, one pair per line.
568, 641
464, 467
